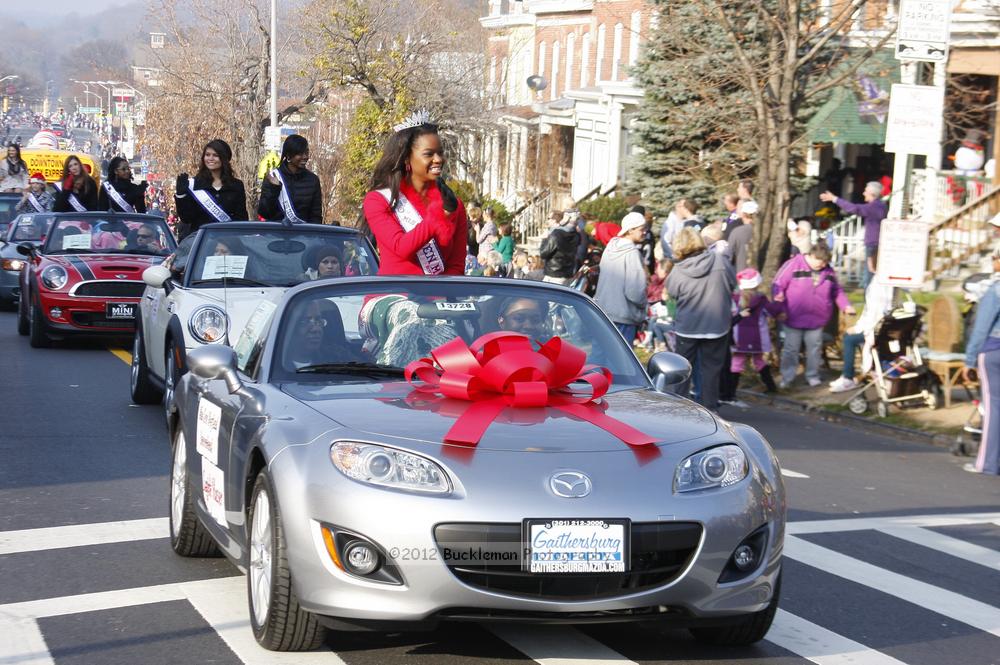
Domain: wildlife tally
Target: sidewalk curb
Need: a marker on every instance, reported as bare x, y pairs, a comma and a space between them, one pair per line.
872, 426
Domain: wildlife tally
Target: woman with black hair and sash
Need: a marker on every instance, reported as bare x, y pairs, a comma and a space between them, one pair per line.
214, 194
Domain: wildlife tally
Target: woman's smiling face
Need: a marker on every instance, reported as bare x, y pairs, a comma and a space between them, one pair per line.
426, 157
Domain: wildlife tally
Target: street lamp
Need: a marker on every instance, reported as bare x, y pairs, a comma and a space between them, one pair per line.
274, 63
9, 76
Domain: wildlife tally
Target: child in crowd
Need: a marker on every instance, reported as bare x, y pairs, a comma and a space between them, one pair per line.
654, 297
751, 336
536, 268
505, 245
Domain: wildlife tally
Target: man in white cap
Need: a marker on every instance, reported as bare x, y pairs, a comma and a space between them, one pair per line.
621, 288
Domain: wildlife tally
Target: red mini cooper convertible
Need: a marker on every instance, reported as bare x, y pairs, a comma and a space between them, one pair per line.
87, 277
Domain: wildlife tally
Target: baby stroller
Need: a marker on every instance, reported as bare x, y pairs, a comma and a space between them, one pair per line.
899, 375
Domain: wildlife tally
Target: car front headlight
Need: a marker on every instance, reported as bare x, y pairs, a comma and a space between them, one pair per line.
389, 467
14, 265
54, 277
721, 466
208, 324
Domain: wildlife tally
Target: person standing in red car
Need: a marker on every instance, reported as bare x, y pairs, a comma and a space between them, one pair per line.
418, 223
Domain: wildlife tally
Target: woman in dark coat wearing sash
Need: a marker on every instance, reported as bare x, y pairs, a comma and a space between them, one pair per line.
124, 195
213, 195
418, 223
77, 190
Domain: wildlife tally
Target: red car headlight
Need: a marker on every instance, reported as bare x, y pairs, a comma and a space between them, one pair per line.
54, 277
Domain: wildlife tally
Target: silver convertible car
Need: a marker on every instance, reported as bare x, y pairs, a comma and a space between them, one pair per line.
387, 453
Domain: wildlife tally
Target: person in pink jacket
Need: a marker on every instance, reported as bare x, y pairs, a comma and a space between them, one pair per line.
809, 289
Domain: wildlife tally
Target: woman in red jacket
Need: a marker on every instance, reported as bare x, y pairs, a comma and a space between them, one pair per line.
419, 224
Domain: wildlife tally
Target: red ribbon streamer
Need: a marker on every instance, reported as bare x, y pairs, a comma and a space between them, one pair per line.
502, 370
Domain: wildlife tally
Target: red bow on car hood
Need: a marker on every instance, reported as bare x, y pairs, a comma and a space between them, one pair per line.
502, 370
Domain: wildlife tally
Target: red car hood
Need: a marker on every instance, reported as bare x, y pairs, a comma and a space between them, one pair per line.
105, 266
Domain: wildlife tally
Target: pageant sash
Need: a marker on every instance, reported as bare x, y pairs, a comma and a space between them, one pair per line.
431, 261
73, 201
117, 197
35, 203
206, 201
285, 200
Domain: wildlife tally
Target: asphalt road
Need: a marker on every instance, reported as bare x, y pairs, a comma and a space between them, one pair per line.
893, 555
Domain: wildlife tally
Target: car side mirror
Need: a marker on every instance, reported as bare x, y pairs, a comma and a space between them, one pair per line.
215, 361
668, 371
26, 248
156, 276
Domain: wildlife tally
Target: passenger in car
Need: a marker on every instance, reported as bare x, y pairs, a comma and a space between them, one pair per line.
523, 315
326, 261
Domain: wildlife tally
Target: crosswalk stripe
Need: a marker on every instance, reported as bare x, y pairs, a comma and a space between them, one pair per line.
557, 645
788, 473
21, 643
821, 646
864, 523
79, 535
947, 603
222, 603
93, 602
955, 547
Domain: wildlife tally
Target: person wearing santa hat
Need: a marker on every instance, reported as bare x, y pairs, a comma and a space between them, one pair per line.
35, 198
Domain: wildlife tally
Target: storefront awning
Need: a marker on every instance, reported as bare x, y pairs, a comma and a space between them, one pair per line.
856, 111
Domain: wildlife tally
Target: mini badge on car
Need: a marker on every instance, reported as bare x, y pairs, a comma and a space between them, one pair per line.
570, 484
121, 276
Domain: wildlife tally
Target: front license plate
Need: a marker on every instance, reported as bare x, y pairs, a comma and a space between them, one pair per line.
577, 545
120, 311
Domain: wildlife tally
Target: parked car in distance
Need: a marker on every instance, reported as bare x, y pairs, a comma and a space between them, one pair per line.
25, 228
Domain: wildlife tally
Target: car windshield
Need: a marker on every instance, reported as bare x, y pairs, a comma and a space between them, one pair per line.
276, 257
119, 235
348, 332
30, 228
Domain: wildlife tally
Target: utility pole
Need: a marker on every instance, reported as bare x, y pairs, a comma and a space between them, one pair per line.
274, 63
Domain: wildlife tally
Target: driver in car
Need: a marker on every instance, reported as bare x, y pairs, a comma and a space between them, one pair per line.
146, 237
318, 337
525, 316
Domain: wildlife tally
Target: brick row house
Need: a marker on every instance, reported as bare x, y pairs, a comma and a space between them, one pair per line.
569, 132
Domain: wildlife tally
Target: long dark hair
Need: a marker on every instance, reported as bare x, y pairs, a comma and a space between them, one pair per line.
88, 182
19, 163
225, 154
113, 168
391, 168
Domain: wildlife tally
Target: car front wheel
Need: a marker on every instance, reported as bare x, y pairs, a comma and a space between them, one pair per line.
188, 536
745, 630
23, 326
37, 337
278, 622
140, 385
171, 375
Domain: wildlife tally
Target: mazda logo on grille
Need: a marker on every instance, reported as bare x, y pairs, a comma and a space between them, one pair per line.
570, 484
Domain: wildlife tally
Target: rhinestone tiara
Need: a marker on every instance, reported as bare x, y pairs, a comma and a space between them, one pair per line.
415, 119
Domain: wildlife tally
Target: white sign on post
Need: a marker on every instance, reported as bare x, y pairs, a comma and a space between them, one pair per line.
916, 117
922, 32
902, 252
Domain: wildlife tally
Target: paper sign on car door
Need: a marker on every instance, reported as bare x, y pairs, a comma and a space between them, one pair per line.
209, 417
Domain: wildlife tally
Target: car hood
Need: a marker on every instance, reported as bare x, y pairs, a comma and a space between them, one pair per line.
391, 411
106, 266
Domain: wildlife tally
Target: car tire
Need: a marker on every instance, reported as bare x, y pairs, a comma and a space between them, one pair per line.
279, 623
140, 385
171, 375
747, 630
22, 316
37, 337
188, 536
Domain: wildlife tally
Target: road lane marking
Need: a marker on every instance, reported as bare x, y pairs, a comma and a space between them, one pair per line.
80, 535
927, 596
123, 354
788, 473
557, 645
866, 523
92, 602
223, 604
821, 646
955, 547
23, 643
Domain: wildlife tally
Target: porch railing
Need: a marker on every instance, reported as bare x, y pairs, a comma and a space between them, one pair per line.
964, 234
935, 196
847, 239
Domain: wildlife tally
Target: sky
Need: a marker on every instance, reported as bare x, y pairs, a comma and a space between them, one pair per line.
54, 8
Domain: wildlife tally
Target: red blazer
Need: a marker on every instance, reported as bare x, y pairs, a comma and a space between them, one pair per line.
398, 249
